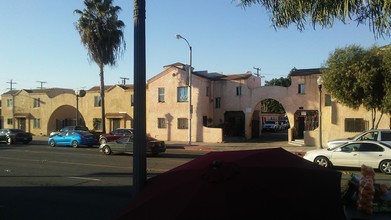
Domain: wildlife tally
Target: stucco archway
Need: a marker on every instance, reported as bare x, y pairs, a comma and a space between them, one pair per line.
278, 93
63, 116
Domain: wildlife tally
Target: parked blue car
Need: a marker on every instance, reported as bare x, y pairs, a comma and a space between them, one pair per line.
72, 138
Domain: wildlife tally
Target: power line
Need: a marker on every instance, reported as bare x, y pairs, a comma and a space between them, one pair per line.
124, 80
11, 83
258, 70
42, 82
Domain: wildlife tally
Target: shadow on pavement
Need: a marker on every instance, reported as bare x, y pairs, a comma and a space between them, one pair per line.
74, 202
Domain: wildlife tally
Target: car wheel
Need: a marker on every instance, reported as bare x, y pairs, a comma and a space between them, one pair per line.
52, 143
75, 144
385, 166
322, 161
102, 141
106, 150
9, 140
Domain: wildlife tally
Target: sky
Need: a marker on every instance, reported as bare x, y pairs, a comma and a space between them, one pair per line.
40, 46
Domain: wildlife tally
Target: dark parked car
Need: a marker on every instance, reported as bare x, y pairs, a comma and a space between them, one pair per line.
12, 135
69, 128
125, 145
72, 138
114, 135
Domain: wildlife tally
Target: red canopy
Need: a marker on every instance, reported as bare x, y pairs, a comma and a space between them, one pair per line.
248, 184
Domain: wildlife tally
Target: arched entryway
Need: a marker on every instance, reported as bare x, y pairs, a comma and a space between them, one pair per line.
64, 115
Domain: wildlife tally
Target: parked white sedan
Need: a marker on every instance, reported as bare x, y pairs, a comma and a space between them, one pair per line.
354, 154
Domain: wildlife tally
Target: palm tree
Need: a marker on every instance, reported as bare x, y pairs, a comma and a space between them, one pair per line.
101, 33
377, 14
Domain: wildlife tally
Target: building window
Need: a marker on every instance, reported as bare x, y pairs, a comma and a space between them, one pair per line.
97, 101
355, 125
182, 123
9, 121
161, 95
238, 91
37, 102
327, 100
97, 124
131, 100
9, 103
37, 123
207, 91
182, 95
301, 89
218, 102
161, 123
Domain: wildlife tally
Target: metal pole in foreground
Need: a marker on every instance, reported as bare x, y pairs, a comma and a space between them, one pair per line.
189, 84
139, 154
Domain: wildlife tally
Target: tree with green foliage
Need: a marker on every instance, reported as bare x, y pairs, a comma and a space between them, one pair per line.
387, 77
376, 14
271, 105
356, 77
101, 33
285, 82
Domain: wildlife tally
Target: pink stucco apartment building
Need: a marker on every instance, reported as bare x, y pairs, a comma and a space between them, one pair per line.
221, 106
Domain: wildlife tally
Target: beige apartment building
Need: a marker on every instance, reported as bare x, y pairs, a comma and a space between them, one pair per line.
221, 106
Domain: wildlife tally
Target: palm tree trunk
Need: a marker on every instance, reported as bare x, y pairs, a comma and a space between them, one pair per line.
102, 96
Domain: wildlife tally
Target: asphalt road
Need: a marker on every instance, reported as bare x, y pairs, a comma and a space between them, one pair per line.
42, 182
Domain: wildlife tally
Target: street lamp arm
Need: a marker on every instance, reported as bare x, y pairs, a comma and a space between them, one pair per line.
178, 36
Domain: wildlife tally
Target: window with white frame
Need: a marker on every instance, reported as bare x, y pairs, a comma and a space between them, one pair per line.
238, 91
97, 123
327, 100
182, 94
97, 101
37, 102
37, 123
9, 103
355, 125
182, 123
301, 89
161, 123
161, 95
218, 102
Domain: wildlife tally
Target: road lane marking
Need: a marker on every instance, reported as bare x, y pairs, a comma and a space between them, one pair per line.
83, 178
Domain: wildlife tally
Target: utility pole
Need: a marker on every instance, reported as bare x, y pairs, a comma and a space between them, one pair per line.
11, 83
42, 82
124, 80
258, 69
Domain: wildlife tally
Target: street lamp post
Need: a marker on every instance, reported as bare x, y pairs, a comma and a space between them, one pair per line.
78, 93
320, 82
189, 83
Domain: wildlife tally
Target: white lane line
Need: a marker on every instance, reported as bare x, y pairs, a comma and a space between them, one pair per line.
83, 178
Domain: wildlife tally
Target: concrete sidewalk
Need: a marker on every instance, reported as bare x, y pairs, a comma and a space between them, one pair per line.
246, 145
226, 146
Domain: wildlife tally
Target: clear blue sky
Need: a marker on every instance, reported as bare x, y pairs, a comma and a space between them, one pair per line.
39, 42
